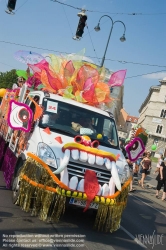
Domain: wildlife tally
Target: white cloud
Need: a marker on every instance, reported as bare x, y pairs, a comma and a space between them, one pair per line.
158, 76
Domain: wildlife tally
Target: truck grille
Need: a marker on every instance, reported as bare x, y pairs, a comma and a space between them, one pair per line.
78, 169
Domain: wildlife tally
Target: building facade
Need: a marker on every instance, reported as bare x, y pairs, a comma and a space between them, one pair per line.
126, 123
153, 118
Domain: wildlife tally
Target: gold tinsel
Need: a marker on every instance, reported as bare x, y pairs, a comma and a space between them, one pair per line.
41, 195
39, 200
109, 216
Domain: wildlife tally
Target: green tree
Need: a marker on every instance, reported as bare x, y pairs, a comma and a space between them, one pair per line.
7, 79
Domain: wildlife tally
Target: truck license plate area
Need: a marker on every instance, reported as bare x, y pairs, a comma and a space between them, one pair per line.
82, 203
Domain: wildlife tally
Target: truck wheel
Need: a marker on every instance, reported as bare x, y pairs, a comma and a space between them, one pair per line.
16, 186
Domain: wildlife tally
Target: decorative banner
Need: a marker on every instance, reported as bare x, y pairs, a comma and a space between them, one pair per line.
135, 148
19, 116
117, 78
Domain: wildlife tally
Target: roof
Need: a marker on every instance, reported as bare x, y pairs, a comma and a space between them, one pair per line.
132, 119
151, 90
124, 114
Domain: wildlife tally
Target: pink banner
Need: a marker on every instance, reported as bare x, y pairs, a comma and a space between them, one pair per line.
117, 78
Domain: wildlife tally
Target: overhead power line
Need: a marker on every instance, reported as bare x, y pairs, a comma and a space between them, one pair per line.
146, 74
93, 45
113, 13
21, 6
93, 57
125, 77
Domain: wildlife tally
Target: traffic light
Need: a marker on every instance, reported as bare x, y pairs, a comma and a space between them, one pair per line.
11, 4
81, 25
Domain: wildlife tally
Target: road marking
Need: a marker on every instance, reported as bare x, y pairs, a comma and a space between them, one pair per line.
148, 205
133, 237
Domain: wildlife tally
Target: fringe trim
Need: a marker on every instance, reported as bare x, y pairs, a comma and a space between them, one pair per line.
42, 194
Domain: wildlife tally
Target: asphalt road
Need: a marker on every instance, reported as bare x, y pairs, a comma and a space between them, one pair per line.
143, 226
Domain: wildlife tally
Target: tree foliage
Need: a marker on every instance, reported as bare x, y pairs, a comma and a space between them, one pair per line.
7, 79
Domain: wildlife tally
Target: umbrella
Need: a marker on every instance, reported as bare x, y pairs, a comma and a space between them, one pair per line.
28, 57
22, 73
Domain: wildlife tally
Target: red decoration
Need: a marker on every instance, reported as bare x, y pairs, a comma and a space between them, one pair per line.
47, 130
91, 186
59, 139
117, 157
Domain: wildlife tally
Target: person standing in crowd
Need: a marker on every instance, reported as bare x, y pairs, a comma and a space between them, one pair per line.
19, 84
21, 80
131, 172
146, 166
122, 148
160, 159
161, 179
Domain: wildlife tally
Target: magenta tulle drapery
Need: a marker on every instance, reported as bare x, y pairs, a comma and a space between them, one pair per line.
2, 147
8, 166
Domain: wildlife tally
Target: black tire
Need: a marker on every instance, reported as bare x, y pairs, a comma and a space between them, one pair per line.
16, 186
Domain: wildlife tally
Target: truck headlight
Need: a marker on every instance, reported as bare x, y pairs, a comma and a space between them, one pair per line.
45, 153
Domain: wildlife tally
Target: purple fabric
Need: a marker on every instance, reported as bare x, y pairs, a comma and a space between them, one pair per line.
8, 166
2, 146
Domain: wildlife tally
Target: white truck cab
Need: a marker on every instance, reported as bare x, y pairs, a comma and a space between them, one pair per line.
71, 138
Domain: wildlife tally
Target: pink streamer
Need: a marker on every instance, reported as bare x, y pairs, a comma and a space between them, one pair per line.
117, 78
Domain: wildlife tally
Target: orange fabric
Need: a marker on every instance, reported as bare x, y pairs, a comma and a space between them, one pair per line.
59, 139
118, 192
139, 130
117, 157
36, 158
35, 184
47, 130
38, 109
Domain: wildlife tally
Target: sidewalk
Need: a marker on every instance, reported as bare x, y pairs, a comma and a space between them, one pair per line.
150, 187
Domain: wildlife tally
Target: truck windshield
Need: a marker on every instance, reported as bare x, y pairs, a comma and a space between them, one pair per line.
72, 120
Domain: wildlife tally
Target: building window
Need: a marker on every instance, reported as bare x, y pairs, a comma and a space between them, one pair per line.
163, 113
159, 129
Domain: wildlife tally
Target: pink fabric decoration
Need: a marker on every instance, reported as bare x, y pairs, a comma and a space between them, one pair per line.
33, 82
88, 91
19, 116
2, 147
69, 69
135, 148
117, 78
8, 166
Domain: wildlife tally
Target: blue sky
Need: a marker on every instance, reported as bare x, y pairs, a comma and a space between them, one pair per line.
49, 25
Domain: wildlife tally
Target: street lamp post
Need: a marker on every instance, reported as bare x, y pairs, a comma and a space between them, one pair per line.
122, 39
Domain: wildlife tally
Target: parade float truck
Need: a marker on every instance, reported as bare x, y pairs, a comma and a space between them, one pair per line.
58, 152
